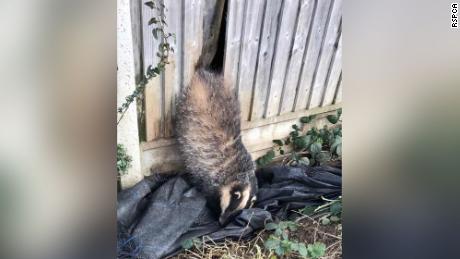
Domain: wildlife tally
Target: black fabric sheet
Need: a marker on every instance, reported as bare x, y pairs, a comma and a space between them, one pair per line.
155, 216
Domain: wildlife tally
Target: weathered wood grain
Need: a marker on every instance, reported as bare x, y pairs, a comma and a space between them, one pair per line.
304, 20
265, 57
283, 48
249, 49
327, 53
193, 36
338, 94
334, 76
312, 53
154, 89
233, 40
173, 71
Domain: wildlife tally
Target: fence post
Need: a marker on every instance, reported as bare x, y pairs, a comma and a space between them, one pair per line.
127, 129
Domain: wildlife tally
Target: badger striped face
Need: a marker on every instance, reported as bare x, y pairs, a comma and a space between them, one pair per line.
233, 198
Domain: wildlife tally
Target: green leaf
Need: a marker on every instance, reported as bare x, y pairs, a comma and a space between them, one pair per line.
334, 219
279, 250
270, 154
303, 251
271, 243
332, 119
323, 156
292, 226
304, 161
300, 143
309, 210
294, 246
187, 244
339, 150
336, 143
281, 151
271, 226
307, 119
294, 126
339, 112
316, 250
152, 21
150, 4
278, 142
155, 33
325, 221
285, 235
315, 148
336, 208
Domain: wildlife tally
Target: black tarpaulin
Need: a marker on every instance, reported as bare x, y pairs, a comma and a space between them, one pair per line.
155, 216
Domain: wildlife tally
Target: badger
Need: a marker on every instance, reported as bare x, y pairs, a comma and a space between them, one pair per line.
209, 136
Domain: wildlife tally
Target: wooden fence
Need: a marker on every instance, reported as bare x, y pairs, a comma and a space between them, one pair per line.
283, 57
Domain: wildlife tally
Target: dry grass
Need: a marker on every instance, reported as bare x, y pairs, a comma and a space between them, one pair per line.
309, 231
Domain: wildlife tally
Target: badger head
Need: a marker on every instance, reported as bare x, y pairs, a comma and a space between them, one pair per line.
237, 193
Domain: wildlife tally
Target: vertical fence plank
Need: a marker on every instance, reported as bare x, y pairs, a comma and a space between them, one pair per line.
283, 47
267, 43
153, 90
193, 36
172, 79
296, 56
312, 53
249, 49
327, 53
235, 19
334, 75
338, 94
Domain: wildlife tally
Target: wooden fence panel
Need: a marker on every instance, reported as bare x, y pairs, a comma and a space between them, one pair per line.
283, 48
313, 51
327, 53
173, 71
283, 57
334, 76
304, 21
264, 62
249, 49
233, 40
154, 89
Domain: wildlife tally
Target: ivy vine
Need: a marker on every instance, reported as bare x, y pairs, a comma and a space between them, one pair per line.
164, 49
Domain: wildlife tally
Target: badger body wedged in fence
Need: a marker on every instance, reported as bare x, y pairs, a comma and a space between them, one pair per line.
209, 136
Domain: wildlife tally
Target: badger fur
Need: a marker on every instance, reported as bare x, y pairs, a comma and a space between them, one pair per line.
209, 136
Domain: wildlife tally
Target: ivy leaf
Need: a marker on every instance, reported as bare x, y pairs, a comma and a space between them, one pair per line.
308, 210
155, 33
303, 251
304, 161
271, 243
307, 119
282, 151
323, 156
335, 219
294, 126
294, 246
332, 118
292, 226
336, 208
325, 221
316, 250
271, 226
152, 21
279, 250
300, 143
278, 142
150, 4
187, 244
339, 150
339, 112
315, 148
